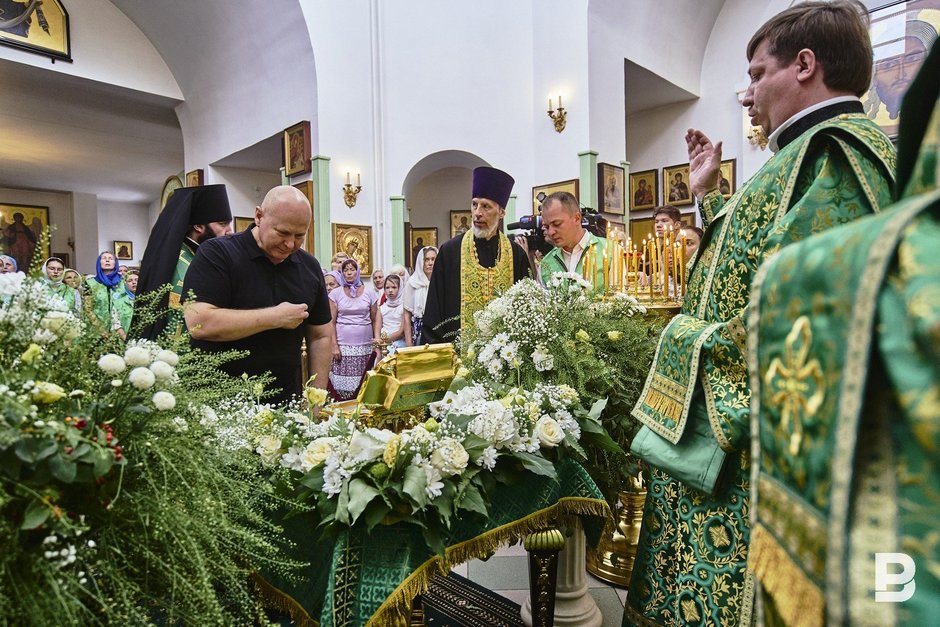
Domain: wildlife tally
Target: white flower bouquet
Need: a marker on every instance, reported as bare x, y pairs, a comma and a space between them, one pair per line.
476, 437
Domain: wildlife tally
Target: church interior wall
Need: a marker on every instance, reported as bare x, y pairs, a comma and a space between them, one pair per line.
431, 200
245, 188
122, 221
656, 137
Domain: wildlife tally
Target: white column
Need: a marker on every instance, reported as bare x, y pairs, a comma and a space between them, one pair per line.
574, 606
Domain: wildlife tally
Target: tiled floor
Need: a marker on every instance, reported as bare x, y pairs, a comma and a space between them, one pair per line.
507, 573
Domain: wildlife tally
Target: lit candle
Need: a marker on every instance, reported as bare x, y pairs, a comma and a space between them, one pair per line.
605, 269
347, 178
358, 179
549, 104
559, 101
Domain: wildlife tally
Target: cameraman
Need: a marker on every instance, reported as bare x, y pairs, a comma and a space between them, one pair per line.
561, 221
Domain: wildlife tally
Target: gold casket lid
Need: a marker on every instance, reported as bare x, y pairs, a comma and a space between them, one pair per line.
411, 377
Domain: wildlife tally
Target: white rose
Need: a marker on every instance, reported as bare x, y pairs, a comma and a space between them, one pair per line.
169, 357
111, 364
548, 432
269, 448
316, 452
137, 356
141, 378
54, 320
450, 457
161, 370
164, 401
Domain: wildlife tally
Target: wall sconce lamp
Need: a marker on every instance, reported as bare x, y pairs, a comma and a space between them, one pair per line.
559, 116
350, 192
756, 137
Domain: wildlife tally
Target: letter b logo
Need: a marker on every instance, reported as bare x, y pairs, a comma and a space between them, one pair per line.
883, 578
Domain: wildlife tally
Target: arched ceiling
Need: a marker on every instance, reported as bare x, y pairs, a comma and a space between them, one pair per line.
67, 133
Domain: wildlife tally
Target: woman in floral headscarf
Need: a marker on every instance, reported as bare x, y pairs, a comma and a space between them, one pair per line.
416, 294
357, 324
107, 303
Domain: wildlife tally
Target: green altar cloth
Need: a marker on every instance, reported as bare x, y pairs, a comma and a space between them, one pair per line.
372, 578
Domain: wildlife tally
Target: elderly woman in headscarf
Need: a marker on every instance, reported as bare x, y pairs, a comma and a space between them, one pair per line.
333, 279
107, 304
416, 294
52, 274
7, 264
357, 324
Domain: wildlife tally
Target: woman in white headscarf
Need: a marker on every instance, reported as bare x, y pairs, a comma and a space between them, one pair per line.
416, 294
52, 274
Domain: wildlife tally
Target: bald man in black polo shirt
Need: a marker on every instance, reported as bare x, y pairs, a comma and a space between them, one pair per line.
258, 291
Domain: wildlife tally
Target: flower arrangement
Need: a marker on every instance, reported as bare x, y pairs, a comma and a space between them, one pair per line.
478, 436
601, 347
115, 506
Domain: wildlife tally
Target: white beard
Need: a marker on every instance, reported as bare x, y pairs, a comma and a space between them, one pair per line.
481, 234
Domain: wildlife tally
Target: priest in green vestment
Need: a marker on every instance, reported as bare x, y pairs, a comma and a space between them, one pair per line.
831, 165
192, 215
844, 338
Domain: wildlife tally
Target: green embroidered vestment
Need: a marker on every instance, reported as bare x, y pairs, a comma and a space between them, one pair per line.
845, 365
693, 547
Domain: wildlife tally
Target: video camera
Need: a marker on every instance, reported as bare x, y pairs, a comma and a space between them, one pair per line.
535, 236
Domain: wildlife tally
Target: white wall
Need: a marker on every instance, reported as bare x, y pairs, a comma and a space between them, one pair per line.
432, 199
98, 31
655, 138
245, 188
124, 222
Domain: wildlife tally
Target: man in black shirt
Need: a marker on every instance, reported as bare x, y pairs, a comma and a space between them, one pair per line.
257, 291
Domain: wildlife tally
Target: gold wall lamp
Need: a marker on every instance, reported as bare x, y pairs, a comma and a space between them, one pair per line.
349, 192
559, 116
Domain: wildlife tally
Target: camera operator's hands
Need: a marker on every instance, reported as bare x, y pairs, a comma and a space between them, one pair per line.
523, 243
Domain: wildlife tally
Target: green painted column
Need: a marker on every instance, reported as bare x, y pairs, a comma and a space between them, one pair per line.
588, 178
323, 238
398, 230
285, 180
627, 198
510, 211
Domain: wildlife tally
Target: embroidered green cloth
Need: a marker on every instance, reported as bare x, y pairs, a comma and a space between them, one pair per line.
359, 577
553, 262
479, 285
175, 322
845, 364
693, 547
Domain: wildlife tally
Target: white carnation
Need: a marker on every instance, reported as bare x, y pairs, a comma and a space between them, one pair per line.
111, 364
435, 486
488, 458
164, 401
137, 356
141, 378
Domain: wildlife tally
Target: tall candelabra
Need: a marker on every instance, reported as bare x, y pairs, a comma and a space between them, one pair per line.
652, 271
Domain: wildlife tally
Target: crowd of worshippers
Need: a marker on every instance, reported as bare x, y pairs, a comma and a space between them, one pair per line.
104, 299
362, 317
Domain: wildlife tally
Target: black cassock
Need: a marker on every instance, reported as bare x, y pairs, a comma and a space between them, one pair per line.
442, 309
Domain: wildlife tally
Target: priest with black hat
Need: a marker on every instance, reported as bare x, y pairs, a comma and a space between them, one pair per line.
192, 215
473, 268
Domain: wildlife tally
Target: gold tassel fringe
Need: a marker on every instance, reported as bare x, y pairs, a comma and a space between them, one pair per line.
667, 406
275, 599
396, 609
798, 601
